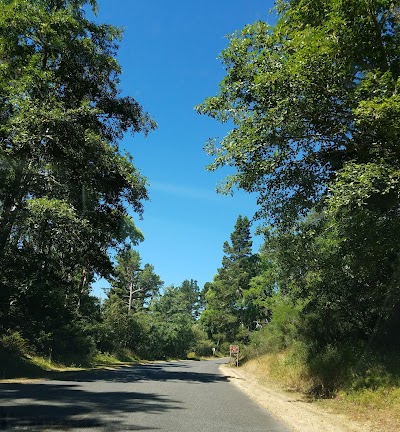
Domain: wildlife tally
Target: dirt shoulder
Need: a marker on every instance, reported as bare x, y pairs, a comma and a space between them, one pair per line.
292, 408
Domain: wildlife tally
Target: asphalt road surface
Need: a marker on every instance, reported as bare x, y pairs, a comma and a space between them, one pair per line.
169, 396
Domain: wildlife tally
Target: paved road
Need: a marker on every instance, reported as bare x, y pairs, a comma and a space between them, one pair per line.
169, 396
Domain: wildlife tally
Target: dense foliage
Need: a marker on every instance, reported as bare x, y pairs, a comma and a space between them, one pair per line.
314, 108
312, 99
67, 195
315, 112
228, 316
64, 186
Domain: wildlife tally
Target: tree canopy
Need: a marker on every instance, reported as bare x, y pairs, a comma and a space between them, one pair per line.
65, 187
314, 102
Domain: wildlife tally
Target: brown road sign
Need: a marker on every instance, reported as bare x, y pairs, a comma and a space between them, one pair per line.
234, 349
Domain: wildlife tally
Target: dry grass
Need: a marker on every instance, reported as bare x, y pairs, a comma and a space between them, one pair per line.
379, 408
279, 369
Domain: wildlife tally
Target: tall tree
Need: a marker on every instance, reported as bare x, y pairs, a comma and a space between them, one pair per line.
227, 312
132, 283
64, 186
306, 98
315, 105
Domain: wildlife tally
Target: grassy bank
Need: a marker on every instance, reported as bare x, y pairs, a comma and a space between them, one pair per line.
16, 365
368, 392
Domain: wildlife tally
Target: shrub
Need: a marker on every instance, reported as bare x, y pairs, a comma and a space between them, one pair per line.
280, 332
13, 342
204, 348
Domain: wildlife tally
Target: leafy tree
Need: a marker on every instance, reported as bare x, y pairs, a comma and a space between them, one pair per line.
343, 266
170, 323
118, 331
64, 185
183, 299
317, 92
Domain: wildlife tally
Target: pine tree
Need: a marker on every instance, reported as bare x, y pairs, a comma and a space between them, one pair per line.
226, 315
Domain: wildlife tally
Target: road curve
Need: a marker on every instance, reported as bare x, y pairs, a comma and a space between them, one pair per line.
173, 396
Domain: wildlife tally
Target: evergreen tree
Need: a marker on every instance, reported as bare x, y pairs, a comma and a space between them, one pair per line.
227, 315
133, 284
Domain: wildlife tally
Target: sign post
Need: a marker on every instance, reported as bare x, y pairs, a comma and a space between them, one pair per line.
234, 354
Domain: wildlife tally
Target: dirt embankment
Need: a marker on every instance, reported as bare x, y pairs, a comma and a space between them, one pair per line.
291, 408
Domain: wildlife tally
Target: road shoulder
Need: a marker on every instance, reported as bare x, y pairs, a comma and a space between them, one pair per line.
298, 414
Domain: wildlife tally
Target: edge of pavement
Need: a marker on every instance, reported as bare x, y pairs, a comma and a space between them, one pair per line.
297, 414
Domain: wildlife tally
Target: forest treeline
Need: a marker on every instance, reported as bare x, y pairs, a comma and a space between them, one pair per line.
65, 194
314, 107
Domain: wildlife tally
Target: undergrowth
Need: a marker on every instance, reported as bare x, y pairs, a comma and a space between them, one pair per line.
350, 380
18, 360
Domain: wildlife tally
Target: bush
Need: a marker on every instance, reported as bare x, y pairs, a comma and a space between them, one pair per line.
204, 348
13, 342
70, 344
280, 333
351, 367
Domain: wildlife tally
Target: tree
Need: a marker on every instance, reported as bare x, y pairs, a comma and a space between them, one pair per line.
133, 284
64, 186
226, 311
170, 322
307, 98
183, 299
191, 302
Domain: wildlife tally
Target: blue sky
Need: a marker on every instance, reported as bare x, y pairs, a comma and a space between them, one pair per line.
169, 61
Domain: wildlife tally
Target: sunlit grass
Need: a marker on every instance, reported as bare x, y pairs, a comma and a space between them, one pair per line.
371, 394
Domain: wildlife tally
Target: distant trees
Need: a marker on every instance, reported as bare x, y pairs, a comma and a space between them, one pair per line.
173, 318
163, 327
132, 284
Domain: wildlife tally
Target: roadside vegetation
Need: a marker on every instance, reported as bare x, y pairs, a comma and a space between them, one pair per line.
314, 107
68, 198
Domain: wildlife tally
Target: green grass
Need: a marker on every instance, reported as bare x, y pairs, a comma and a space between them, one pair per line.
15, 365
25, 366
108, 359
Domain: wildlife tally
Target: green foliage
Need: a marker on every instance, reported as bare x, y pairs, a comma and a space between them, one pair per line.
134, 285
280, 332
118, 331
163, 328
202, 346
345, 268
317, 91
228, 315
351, 368
13, 343
166, 336
314, 106
64, 185
169, 327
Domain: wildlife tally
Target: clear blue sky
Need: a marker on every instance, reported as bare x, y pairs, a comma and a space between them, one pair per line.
169, 61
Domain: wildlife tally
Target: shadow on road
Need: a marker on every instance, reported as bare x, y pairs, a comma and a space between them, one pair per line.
69, 406
148, 372
75, 400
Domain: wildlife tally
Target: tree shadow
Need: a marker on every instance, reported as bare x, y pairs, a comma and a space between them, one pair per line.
69, 402
35, 406
147, 372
